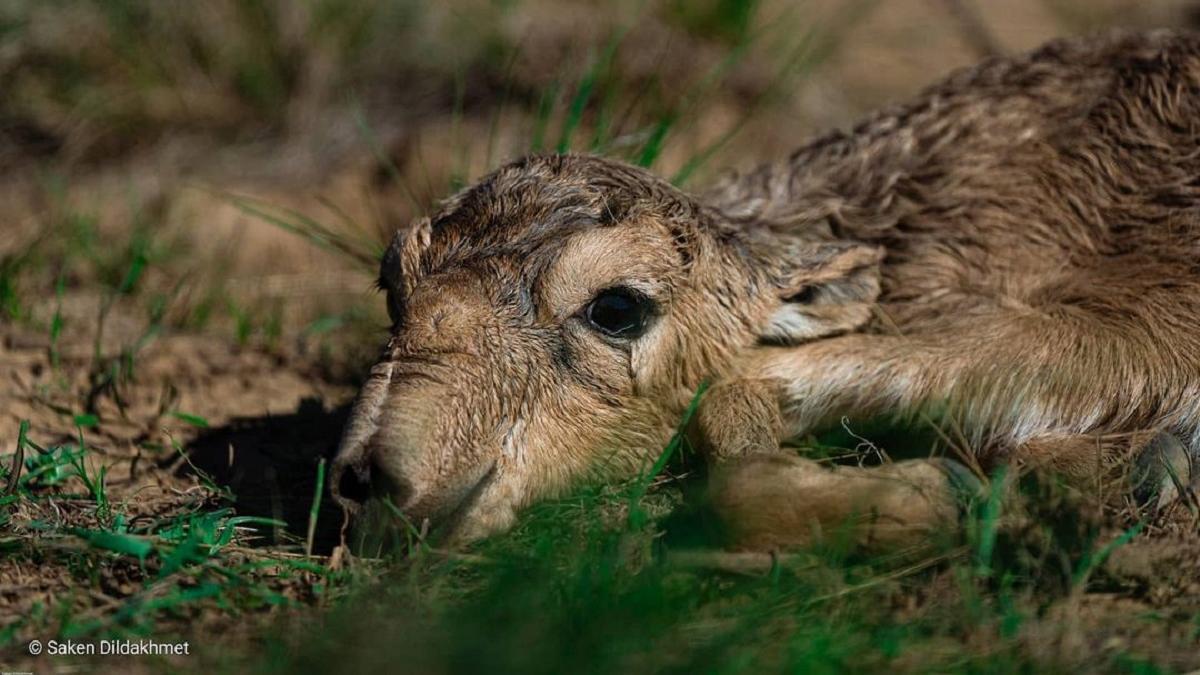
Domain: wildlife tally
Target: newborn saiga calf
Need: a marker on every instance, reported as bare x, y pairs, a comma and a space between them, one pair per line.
1014, 256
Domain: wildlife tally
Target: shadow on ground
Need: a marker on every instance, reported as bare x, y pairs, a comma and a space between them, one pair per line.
270, 466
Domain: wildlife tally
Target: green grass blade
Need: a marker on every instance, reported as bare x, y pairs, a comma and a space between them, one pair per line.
18, 462
637, 515
315, 510
194, 420
125, 544
587, 85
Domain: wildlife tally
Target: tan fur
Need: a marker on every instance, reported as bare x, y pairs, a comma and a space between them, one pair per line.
774, 502
1016, 251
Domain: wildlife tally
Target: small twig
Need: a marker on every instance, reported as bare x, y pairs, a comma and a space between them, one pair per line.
864, 442
472, 558
758, 563
914, 568
344, 528
743, 562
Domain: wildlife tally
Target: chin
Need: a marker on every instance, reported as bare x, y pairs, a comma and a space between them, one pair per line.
380, 530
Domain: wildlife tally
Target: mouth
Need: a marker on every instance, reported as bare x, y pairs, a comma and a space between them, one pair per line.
439, 518
457, 515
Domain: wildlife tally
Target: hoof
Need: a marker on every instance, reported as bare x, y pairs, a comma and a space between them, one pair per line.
965, 484
1164, 471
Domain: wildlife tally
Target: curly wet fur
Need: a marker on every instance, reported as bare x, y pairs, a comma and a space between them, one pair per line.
1017, 250
1041, 222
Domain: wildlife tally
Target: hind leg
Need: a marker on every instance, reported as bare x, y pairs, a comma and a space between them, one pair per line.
1153, 467
769, 499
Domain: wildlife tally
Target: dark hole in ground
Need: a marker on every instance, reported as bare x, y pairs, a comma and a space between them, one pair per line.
272, 469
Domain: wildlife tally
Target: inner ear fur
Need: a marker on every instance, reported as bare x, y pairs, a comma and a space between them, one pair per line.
819, 288
401, 259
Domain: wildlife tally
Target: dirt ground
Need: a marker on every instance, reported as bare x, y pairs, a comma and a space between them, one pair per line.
219, 377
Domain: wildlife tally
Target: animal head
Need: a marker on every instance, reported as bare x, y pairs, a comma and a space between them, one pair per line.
550, 326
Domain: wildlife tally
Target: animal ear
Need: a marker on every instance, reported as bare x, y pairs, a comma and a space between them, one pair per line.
820, 289
401, 258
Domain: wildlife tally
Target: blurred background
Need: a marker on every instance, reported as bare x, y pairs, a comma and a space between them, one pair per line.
204, 136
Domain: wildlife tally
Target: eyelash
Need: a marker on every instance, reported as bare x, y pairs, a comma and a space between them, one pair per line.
632, 312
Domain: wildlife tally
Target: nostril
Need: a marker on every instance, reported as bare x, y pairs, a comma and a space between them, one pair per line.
387, 486
353, 487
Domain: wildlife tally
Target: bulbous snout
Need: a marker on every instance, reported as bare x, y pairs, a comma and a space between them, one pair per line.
416, 436
410, 442
352, 470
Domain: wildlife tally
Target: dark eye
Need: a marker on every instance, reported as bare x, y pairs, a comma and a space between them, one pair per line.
620, 312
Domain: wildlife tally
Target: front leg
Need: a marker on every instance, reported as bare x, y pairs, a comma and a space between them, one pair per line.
768, 498
1004, 378
737, 418
783, 501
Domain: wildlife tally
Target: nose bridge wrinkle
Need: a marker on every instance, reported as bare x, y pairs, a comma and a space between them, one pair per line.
364, 418
447, 316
